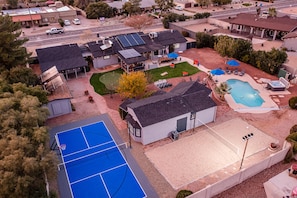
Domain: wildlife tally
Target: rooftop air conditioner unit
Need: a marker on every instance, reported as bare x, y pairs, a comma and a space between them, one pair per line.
153, 35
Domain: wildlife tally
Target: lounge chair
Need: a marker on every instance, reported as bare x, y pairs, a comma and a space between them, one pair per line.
241, 73
235, 72
228, 71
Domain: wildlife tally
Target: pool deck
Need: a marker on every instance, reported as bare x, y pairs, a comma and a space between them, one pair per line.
270, 97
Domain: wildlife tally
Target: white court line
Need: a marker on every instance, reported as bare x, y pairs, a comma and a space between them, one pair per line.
100, 173
87, 149
106, 189
83, 134
63, 162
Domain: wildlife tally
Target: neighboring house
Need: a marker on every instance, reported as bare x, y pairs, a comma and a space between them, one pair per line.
290, 41
185, 107
262, 26
35, 16
136, 51
67, 58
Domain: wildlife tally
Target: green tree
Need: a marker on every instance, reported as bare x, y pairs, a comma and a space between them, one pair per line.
26, 161
204, 40
82, 4
132, 85
203, 3
132, 7
12, 3
97, 10
11, 46
24, 75
165, 5
221, 2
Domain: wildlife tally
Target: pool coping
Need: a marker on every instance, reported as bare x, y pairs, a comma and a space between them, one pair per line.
62, 179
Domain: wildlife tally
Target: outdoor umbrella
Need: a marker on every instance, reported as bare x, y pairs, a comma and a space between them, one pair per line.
172, 55
217, 72
233, 63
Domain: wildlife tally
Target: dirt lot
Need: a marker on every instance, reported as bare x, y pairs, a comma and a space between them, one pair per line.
274, 123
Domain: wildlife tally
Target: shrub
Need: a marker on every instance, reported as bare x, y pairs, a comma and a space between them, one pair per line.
185, 33
183, 193
293, 102
293, 129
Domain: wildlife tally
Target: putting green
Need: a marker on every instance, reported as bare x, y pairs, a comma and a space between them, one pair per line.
110, 80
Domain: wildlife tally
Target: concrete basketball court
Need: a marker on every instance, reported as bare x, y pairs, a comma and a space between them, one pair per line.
196, 156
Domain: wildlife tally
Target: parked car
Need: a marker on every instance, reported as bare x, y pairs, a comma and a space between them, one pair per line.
67, 22
76, 21
54, 31
180, 8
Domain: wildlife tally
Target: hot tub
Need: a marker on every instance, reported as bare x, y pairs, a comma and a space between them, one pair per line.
276, 85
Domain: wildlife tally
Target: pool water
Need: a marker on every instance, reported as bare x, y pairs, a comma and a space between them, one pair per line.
244, 93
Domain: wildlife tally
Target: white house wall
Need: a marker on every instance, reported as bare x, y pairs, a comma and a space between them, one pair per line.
162, 130
100, 62
182, 47
290, 44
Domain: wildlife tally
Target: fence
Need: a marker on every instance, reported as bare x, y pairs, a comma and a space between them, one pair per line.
218, 187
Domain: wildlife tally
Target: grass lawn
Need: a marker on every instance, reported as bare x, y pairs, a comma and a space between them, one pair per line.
101, 83
155, 74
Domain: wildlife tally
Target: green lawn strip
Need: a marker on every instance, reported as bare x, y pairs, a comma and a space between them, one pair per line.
172, 72
99, 87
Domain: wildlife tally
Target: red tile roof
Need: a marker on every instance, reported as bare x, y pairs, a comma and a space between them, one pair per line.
284, 23
21, 18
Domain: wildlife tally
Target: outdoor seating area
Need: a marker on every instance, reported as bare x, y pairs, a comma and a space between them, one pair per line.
161, 84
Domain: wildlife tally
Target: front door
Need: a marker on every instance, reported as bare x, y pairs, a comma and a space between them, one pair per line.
181, 124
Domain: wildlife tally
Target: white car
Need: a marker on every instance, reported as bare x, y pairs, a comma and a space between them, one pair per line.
76, 21
180, 8
67, 22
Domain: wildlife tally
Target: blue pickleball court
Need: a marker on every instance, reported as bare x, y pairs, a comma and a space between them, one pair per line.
94, 164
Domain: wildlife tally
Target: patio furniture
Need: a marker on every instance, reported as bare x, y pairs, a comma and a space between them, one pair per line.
235, 72
228, 71
241, 73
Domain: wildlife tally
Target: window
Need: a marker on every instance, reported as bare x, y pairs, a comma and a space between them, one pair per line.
193, 115
106, 57
176, 45
137, 132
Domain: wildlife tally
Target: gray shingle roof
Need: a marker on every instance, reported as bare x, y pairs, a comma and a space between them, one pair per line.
185, 98
64, 57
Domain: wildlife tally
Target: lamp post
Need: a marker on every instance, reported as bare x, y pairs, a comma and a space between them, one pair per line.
246, 139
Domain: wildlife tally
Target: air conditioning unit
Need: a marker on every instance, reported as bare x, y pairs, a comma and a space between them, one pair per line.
174, 135
153, 35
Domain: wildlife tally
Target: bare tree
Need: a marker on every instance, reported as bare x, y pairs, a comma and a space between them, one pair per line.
139, 22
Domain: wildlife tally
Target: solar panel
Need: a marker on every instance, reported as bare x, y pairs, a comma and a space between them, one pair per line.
124, 41
129, 53
131, 39
138, 39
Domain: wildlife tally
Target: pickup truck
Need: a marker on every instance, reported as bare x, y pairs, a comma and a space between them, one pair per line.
54, 31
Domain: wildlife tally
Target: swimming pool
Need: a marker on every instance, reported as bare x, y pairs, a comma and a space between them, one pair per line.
244, 93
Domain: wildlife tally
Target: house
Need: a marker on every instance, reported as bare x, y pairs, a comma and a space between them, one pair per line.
136, 51
262, 25
30, 15
185, 107
67, 58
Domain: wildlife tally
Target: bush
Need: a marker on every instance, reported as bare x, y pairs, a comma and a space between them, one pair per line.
185, 33
293, 102
183, 193
293, 129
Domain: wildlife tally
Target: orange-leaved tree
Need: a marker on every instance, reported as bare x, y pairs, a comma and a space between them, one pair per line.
132, 85
139, 22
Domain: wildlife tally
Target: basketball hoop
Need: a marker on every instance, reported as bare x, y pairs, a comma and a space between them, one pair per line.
62, 147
